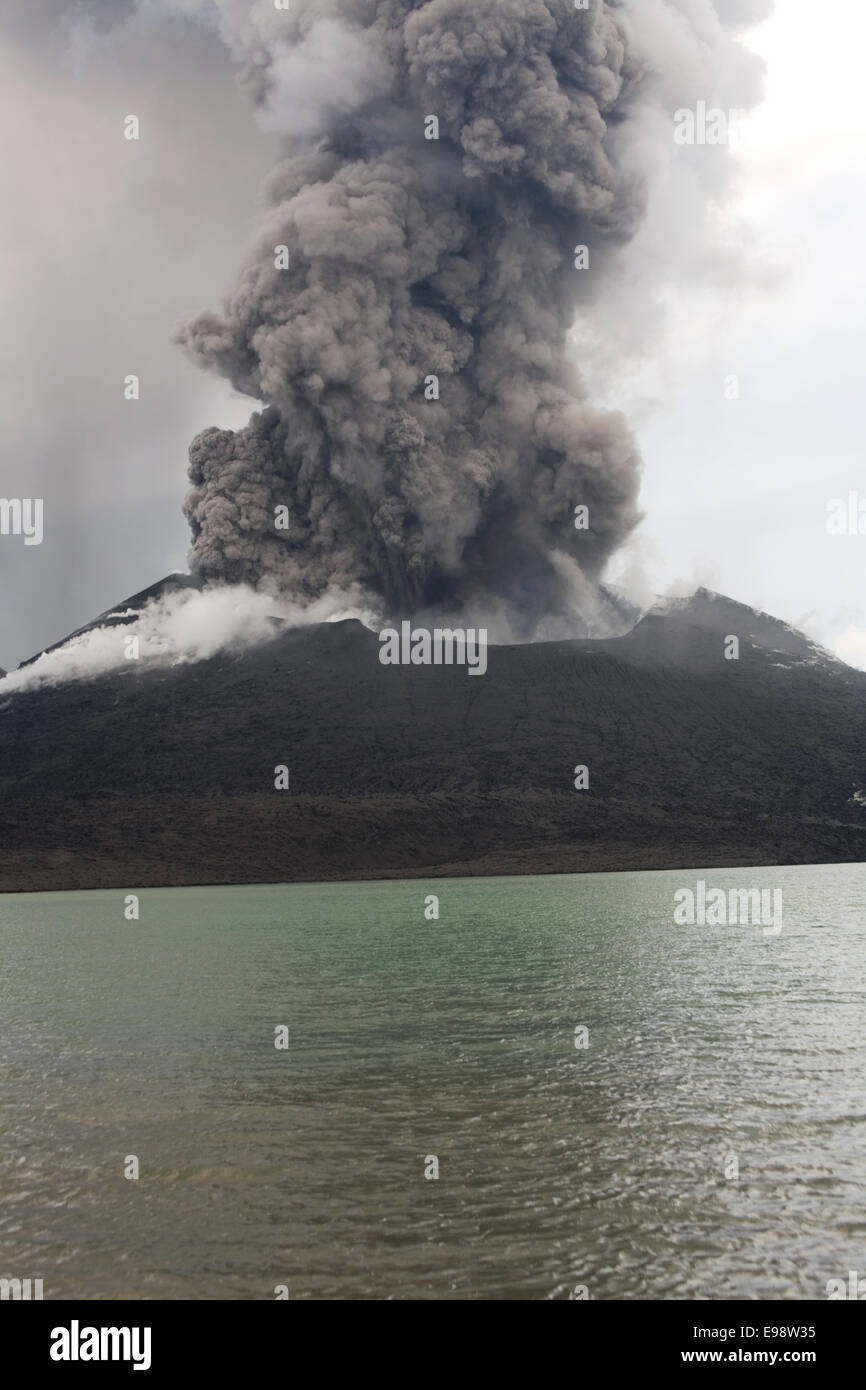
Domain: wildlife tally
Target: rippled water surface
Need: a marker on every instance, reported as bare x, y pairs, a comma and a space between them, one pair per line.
710, 1049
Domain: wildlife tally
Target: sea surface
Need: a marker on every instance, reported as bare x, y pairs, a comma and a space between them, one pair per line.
619, 1107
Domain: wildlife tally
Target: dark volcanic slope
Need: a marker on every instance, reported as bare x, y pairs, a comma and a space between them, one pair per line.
167, 775
126, 612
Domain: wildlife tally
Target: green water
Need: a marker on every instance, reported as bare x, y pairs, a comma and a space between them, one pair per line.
607, 1166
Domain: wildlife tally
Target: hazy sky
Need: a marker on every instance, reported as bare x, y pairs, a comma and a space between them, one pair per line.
105, 244
736, 492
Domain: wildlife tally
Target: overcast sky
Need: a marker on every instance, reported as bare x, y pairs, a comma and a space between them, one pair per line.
105, 244
736, 492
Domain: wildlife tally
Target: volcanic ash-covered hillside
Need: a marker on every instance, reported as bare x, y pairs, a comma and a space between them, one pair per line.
160, 774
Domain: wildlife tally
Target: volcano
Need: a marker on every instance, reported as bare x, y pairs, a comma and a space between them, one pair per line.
166, 774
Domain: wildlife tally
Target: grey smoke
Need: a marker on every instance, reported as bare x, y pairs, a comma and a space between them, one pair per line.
412, 257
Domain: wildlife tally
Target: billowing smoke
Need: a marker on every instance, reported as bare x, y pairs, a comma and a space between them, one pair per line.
413, 258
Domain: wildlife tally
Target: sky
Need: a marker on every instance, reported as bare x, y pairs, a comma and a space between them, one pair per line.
736, 491
106, 244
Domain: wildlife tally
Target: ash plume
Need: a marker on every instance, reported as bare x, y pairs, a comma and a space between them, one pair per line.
413, 258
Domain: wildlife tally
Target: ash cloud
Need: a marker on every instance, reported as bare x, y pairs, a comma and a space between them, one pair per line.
451, 257
454, 258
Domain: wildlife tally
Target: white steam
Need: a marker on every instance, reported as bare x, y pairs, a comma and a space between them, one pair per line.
190, 625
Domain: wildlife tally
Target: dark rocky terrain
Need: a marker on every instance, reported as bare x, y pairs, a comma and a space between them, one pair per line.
166, 775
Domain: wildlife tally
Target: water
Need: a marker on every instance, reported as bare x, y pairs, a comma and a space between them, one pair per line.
559, 1167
